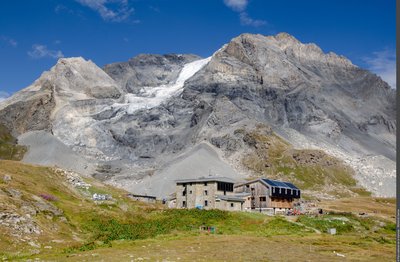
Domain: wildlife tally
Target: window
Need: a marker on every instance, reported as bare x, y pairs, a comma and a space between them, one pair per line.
190, 192
205, 203
222, 186
184, 193
205, 192
184, 204
231, 204
263, 199
205, 183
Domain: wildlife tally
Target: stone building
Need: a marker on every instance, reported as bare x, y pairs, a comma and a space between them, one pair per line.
268, 195
208, 193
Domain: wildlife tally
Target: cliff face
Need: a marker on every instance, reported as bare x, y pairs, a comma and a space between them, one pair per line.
292, 85
137, 117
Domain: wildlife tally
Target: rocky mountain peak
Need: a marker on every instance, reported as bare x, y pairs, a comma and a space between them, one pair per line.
285, 37
251, 46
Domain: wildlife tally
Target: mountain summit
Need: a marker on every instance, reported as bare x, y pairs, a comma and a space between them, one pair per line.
130, 122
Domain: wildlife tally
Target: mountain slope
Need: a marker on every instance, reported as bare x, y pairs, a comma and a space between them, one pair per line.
133, 119
312, 99
49, 214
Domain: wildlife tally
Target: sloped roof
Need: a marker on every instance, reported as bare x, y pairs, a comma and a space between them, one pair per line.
281, 184
231, 198
271, 183
205, 179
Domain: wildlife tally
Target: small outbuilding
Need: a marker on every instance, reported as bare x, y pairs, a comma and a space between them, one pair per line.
143, 198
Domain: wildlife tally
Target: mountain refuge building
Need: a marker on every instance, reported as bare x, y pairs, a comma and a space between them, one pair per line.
261, 195
267, 195
208, 193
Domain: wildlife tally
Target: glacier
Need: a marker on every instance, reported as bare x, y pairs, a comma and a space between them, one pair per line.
153, 96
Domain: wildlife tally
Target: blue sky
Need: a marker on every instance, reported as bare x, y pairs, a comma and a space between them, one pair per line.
35, 33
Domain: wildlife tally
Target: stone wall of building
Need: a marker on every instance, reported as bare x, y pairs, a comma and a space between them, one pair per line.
228, 205
197, 193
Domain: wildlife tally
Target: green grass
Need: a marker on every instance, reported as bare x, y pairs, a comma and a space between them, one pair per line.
308, 169
104, 230
326, 222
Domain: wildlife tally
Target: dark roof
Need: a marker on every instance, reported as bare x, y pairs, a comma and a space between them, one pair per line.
269, 182
231, 198
144, 196
280, 184
205, 179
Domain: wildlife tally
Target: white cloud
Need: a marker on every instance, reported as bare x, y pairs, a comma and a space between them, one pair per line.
110, 10
9, 41
383, 63
240, 7
246, 20
3, 96
236, 5
41, 51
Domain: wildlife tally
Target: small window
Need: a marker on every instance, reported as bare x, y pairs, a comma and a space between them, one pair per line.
247, 186
263, 199
190, 192
184, 204
205, 203
205, 183
205, 192
184, 193
231, 204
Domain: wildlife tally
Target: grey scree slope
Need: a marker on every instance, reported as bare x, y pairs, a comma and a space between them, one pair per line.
201, 161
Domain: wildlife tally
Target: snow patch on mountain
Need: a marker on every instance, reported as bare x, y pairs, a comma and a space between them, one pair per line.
150, 97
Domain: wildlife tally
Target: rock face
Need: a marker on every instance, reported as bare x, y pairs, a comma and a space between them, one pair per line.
139, 116
148, 70
285, 83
